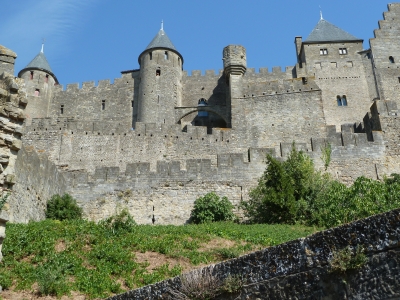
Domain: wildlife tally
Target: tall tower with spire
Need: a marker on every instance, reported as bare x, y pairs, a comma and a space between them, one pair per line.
39, 81
160, 88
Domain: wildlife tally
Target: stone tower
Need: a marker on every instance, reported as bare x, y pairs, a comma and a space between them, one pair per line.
234, 57
160, 89
7, 60
39, 82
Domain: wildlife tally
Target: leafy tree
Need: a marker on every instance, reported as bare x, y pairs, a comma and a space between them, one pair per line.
212, 208
63, 208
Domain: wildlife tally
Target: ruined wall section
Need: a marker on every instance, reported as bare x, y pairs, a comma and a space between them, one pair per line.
36, 180
385, 47
93, 107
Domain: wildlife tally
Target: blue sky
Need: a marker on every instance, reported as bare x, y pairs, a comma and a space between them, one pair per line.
96, 39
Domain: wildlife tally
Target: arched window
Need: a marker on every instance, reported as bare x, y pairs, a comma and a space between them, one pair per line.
158, 72
391, 59
344, 100
339, 101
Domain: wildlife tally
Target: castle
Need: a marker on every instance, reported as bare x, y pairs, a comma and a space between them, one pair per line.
158, 138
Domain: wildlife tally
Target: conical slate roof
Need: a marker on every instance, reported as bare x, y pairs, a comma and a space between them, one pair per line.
327, 32
39, 62
161, 40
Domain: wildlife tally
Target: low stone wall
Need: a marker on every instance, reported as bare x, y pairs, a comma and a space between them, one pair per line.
301, 269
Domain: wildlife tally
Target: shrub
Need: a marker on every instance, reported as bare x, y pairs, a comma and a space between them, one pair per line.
3, 200
285, 190
63, 208
120, 222
348, 259
211, 208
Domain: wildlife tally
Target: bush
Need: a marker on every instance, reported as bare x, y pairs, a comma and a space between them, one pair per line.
63, 208
285, 190
121, 222
292, 191
211, 208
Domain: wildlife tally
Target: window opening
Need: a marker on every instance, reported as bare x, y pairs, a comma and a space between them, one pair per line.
158, 72
166, 55
133, 102
37, 92
391, 59
31, 75
151, 55
343, 51
344, 100
323, 51
61, 109
103, 104
47, 78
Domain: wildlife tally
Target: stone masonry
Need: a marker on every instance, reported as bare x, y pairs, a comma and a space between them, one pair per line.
159, 137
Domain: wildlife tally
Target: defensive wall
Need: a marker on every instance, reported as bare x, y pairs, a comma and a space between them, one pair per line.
302, 269
161, 188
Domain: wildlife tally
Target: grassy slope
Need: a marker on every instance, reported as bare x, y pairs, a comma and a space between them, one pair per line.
82, 256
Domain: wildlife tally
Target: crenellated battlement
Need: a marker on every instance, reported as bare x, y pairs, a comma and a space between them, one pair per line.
207, 74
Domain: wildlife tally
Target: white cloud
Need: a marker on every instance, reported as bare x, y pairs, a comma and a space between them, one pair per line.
23, 25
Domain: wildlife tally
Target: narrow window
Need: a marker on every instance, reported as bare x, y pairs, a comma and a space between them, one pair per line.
31, 75
103, 104
61, 109
343, 51
344, 100
323, 51
339, 101
369, 55
304, 80
158, 72
151, 55
37, 92
398, 78
133, 102
391, 59
166, 55
179, 61
47, 78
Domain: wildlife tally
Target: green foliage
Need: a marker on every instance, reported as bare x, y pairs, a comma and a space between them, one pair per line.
348, 259
233, 284
78, 255
63, 208
211, 208
326, 155
3, 200
284, 190
121, 222
292, 191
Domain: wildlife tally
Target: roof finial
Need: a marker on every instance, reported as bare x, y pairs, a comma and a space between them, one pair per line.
320, 12
43, 40
162, 24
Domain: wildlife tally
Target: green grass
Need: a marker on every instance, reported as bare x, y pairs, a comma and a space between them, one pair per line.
97, 261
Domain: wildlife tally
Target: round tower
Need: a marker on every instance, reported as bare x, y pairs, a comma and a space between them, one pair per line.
39, 82
7, 60
160, 89
234, 57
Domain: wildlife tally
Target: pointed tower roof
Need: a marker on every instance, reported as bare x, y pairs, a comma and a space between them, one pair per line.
39, 63
161, 41
327, 32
